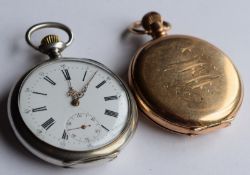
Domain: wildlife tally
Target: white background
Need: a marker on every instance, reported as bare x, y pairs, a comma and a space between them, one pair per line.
99, 34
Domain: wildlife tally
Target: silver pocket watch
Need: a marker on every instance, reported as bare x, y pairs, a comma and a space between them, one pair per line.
70, 111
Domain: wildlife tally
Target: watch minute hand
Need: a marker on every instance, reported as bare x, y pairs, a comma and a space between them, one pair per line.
85, 87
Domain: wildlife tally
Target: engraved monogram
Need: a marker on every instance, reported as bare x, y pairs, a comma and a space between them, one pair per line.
193, 77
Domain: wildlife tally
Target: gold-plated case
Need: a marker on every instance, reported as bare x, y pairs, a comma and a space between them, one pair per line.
183, 83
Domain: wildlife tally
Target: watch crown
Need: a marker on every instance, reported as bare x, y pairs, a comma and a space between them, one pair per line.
50, 39
52, 46
154, 24
150, 19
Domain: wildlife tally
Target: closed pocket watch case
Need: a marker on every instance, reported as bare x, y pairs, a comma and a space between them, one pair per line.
183, 83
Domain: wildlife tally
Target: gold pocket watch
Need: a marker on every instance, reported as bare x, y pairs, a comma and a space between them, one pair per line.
70, 111
183, 83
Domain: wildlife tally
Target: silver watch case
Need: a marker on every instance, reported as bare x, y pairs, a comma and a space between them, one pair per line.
59, 156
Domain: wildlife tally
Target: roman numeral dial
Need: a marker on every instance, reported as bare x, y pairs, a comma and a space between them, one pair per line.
105, 128
49, 80
84, 76
39, 93
101, 84
110, 98
48, 123
45, 104
44, 108
65, 135
66, 74
111, 113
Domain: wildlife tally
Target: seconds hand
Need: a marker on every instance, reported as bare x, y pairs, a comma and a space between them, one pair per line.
81, 127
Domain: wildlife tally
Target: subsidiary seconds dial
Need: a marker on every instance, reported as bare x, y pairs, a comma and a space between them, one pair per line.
84, 128
73, 105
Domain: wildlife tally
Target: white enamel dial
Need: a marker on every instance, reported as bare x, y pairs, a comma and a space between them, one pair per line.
73, 105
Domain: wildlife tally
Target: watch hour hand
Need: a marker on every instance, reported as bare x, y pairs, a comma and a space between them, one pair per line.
77, 95
71, 92
74, 94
